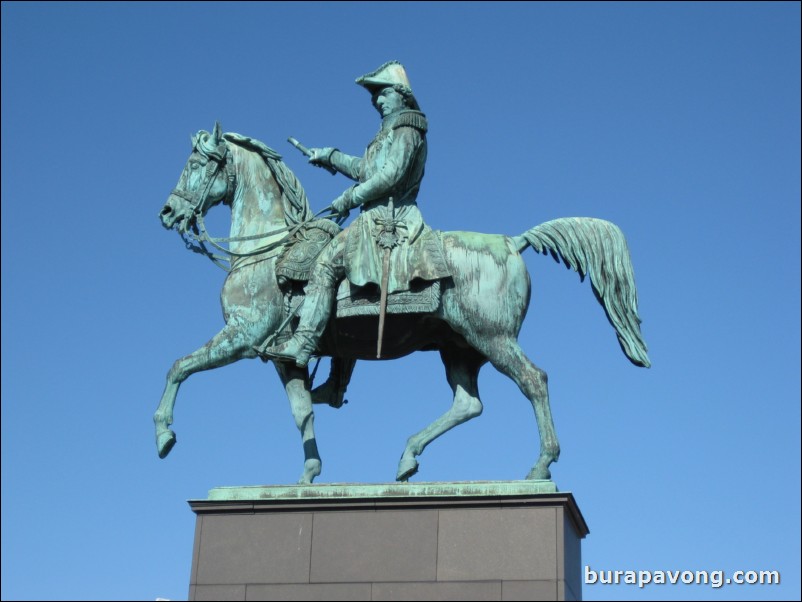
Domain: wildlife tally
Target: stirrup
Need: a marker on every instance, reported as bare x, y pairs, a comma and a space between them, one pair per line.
284, 352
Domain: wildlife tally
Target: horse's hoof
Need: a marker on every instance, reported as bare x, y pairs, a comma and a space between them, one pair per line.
165, 442
312, 468
406, 469
539, 474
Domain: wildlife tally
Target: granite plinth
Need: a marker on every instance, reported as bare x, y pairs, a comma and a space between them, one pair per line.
489, 540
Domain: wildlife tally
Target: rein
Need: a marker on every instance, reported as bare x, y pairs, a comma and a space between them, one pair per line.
203, 237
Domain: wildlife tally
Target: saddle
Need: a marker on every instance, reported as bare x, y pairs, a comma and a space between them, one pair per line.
296, 262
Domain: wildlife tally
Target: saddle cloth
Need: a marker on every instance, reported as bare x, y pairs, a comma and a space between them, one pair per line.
297, 260
352, 301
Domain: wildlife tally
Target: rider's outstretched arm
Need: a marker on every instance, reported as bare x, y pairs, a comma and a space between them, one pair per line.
333, 158
346, 164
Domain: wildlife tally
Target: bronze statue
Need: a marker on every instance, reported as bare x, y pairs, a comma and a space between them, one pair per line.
462, 293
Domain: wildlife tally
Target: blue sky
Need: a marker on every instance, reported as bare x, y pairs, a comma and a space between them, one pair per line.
680, 123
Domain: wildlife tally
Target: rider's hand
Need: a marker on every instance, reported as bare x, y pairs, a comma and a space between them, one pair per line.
344, 203
321, 156
342, 206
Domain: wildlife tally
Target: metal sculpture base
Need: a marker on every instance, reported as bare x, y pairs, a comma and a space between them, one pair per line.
489, 540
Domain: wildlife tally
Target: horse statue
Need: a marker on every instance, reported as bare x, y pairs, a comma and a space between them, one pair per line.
477, 320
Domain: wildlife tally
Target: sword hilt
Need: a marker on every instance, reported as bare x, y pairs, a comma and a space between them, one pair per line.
308, 153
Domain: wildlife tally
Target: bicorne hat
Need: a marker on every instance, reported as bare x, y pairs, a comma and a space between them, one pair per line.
390, 75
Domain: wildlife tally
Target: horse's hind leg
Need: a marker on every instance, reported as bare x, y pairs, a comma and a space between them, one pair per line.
229, 345
296, 383
462, 371
506, 355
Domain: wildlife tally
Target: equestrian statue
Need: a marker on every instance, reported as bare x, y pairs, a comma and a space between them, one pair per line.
299, 285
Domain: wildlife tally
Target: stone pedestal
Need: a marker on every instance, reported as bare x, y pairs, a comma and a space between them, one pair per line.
513, 540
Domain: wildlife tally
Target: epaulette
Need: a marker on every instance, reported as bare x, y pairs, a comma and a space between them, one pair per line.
413, 119
253, 144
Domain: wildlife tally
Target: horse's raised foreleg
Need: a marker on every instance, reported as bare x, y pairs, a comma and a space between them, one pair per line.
296, 383
462, 371
233, 343
508, 358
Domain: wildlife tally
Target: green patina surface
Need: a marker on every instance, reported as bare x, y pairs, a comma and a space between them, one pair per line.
333, 491
282, 314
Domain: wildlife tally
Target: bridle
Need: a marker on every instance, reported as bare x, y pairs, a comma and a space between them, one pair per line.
219, 159
216, 159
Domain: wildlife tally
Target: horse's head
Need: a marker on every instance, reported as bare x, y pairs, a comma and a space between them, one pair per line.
203, 183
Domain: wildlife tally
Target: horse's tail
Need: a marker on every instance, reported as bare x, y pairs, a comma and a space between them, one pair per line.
597, 248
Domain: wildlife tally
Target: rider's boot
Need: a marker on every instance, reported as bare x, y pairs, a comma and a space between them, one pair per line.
314, 317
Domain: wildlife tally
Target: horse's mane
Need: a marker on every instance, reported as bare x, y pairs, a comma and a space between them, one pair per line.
296, 203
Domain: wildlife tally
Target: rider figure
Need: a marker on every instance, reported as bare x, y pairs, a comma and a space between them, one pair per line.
390, 225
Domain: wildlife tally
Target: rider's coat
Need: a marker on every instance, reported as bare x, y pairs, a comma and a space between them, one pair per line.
389, 176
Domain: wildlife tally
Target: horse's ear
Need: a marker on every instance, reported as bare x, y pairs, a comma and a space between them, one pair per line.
194, 140
217, 134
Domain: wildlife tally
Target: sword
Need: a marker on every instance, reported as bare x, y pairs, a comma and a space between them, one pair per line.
385, 285
308, 153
